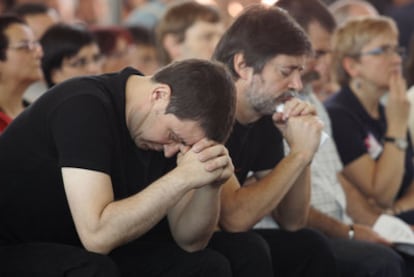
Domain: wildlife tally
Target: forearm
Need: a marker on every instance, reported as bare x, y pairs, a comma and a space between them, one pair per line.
406, 202
194, 219
326, 224
242, 207
388, 174
127, 219
361, 211
293, 210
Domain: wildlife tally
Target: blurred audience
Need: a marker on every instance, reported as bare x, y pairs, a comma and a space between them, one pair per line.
409, 73
188, 30
320, 32
143, 50
93, 12
38, 16
114, 43
404, 18
20, 55
145, 13
343, 10
69, 51
6, 5
339, 209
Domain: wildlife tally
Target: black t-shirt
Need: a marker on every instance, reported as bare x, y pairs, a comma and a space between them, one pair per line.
356, 133
79, 123
255, 147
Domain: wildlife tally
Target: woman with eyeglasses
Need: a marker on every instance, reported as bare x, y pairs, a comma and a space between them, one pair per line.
69, 51
371, 137
20, 56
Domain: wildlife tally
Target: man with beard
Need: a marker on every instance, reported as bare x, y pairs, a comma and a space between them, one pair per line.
266, 51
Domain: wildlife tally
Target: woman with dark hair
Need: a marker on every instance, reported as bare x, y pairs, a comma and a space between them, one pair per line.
69, 51
20, 56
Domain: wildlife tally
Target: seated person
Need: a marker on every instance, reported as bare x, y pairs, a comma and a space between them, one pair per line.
188, 30
143, 51
267, 73
20, 55
372, 138
115, 43
69, 51
86, 191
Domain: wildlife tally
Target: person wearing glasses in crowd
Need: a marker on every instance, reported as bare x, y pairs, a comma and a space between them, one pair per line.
69, 51
372, 138
20, 57
39, 17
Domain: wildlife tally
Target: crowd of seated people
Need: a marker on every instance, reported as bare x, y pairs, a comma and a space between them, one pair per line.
289, 199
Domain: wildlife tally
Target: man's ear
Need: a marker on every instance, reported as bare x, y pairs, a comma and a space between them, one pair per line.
351, 66
161, 92
172, 46
245, 72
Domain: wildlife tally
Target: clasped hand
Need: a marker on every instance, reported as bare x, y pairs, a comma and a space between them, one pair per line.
299, 125
206, 162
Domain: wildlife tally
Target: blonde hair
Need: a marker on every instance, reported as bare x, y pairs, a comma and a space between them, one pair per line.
349, 39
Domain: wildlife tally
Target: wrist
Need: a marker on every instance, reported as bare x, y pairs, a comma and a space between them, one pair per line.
397, 209
351, 231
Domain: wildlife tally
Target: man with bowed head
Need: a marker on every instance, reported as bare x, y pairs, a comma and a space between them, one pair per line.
78, 194
265, 50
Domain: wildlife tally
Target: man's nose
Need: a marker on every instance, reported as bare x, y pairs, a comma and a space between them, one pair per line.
296, 81
171, 149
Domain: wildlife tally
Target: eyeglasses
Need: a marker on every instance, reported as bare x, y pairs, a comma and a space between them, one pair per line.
84, 61
27, 46
386, 50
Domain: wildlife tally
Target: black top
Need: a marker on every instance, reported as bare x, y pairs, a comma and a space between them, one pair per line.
255, 147
79, 123
356, 133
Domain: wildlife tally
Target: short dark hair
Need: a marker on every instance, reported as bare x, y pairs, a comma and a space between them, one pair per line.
107, 37
202, 91
260, 33
308, 11
178, 18
62, 41
30, 9
5, 21
142, 35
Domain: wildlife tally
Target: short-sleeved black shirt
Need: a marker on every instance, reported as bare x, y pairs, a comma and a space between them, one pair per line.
79, 123
356, 133
255, 147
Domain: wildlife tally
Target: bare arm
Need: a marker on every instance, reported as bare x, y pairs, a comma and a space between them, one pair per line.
243, 207
381, 179
292, 213
337, 229
406, 202
361, 210
104, 224
194, 219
